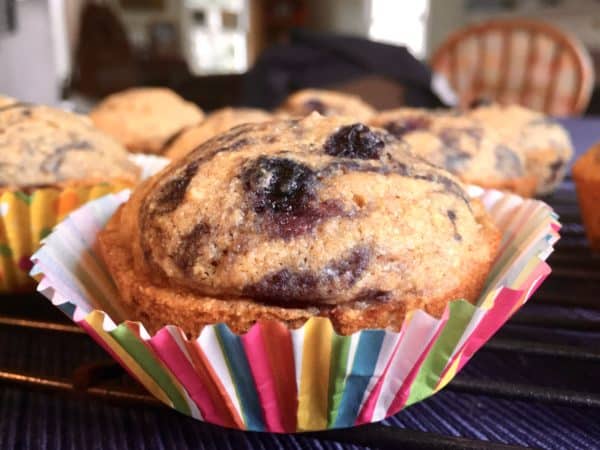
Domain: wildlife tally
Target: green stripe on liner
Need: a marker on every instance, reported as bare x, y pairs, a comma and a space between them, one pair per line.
427, 379
147, 361
23, 197
5, 250
340, 348
45, 232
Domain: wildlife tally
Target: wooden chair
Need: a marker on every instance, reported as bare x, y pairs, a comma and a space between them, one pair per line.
518, 61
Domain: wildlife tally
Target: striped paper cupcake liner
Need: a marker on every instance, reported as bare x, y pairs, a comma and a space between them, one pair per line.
281, 380
26, 217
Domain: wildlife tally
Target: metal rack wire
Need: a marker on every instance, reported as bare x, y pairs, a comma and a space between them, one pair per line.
560, 326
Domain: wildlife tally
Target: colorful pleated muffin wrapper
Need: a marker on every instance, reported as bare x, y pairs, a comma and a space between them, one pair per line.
28, 216
281, 380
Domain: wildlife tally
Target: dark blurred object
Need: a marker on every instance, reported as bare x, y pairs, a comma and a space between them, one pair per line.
533, 63
104, 60
163, 39
281, 17
142, 5
8, 16
319, 60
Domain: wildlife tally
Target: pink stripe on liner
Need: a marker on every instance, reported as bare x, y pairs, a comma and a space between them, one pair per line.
264, 379
366, 413
402, 395
193, 381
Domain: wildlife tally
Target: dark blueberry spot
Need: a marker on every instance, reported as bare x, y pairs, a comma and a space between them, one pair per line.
243, 142
346, 271
187, 251
289, 225
455, 159
450, 137
480, 101
279, 185
284, 288
452, 216
401, 127
53, 161
172, 192
555, 169
355, 141
449, 186
315, 105
372, 295
289, 288
507, 161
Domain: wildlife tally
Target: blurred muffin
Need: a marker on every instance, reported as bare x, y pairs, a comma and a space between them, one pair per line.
215, 123
586, 173
42, 146
52, 162
292, 219
144, 119
6, 101
326, 103
545, 144
471, 150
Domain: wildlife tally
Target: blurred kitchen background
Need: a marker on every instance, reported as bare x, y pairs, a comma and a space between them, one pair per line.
75, 51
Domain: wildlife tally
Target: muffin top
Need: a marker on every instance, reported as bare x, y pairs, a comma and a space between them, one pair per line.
587, 167
215, 123
41, 146
318, 211
472, 150
326, 103
6, 101
143, 119
524, 128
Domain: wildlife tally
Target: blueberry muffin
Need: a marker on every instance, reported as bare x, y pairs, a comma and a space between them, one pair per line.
326, 103
52, 162
43, 146
292, 219
215, 123
586, 173
545, 144
464, 146
144, 119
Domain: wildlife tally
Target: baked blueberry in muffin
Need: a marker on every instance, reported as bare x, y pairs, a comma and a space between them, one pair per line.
292, 219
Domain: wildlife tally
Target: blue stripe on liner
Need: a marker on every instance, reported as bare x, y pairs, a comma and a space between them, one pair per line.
365, 359
240, 372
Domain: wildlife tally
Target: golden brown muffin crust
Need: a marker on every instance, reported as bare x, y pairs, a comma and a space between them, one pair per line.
215, 123
143, 119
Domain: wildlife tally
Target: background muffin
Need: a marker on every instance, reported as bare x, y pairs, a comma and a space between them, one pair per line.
144, 119
326, 103
545, 144
292, 219
52, 162
468, 148
586, 173
43, 146
215, 123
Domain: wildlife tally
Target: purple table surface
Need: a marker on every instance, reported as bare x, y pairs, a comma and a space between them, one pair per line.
52, 420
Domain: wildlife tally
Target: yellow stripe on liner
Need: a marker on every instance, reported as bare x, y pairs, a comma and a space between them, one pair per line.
313, 403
